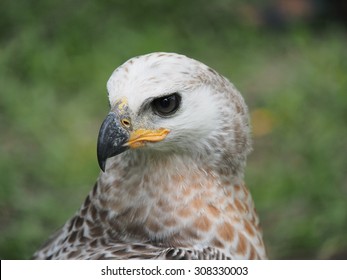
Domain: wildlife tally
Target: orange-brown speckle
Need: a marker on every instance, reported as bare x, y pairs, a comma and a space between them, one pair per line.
253, 254
184, 212
197, 203
249, 228
213, 210
202, 223
217, 243
239, 206
226, 232
242, 244
230, 208
170, 222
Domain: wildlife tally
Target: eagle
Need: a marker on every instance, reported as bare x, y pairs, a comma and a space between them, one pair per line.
172, 152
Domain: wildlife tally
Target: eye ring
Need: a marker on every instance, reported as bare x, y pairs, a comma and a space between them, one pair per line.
126, 123
166, 105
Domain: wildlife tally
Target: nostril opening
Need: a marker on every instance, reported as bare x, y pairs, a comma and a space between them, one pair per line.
125, 122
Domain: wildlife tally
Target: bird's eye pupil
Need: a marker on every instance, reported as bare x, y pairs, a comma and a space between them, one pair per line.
165, 102
166, 105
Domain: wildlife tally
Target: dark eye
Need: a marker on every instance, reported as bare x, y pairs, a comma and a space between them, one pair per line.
166, 105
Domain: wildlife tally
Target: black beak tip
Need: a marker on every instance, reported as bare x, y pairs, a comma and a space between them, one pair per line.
111, 139
102, 156
107, 153
102, 164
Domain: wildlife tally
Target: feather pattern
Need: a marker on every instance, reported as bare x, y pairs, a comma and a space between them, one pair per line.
182, 197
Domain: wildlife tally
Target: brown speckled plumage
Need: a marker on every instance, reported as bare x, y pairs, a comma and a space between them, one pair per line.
180, 197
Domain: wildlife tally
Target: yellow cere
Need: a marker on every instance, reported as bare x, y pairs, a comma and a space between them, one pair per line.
122, 103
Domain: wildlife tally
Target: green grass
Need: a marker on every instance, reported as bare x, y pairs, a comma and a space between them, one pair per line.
53, 71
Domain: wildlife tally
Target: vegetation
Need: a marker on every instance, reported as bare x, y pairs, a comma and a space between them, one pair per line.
56, 56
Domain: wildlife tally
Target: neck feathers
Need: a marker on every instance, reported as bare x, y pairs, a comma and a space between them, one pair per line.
175, 204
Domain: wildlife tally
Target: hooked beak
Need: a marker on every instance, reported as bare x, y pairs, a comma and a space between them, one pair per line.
111, 139
115, 138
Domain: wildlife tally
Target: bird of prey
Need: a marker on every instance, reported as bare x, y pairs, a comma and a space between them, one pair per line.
172, 150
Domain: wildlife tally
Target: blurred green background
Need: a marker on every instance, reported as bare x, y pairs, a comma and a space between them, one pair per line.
287, 57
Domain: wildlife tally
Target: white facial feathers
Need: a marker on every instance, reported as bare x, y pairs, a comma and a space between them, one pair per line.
212, 116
